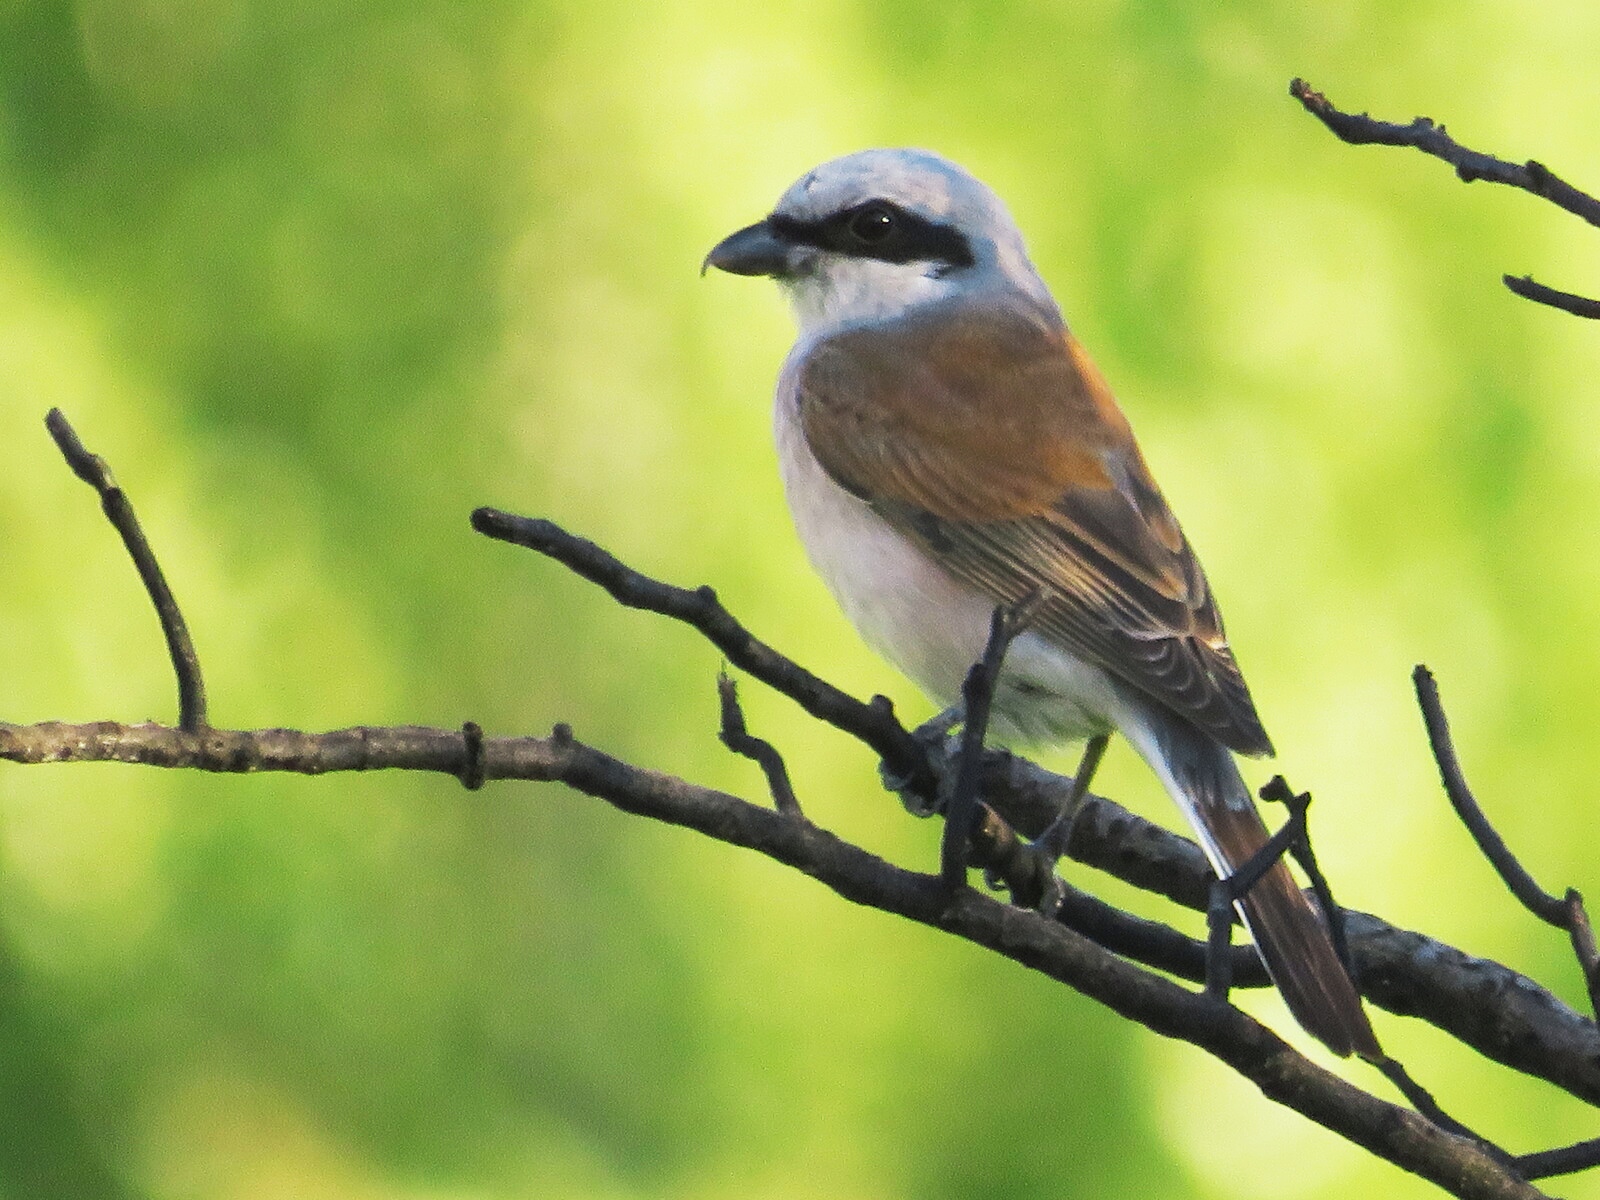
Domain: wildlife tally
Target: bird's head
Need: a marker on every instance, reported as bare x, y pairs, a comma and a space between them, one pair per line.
872, 235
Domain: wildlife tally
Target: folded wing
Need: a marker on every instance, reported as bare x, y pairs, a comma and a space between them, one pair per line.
986, 434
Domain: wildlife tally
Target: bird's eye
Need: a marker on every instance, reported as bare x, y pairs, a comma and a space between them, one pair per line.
872, 224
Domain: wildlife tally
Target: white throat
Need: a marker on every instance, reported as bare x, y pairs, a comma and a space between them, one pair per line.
839, 291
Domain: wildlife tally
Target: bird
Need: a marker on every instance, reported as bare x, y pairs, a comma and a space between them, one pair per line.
947, 447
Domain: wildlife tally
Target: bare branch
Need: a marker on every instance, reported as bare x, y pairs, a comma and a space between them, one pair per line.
1547, 1163
977, 696
875, 723
1463, 1166
1277, 791
1396, 1134
1583, 946
92, 469
1150, 942
1500, 1013
1567, 912
1423, 134
1529, 289
1534, 898
763, 753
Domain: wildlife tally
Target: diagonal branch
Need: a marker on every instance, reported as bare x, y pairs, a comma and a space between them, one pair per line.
1530, 289
1498, 1012
1532, 897
875, 723
736, 737
1359, 129
1423, 134
1566, 912
1402, 1137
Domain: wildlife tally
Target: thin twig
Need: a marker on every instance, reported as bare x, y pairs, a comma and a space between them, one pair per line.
1152, 943
1422, 1100
977, 697
1582, 933
1530, 289
1566, 913
92, 469
1534, 898
1277, 790
1581, 1156
1224, 893
874, 723
763, 753
1423, 134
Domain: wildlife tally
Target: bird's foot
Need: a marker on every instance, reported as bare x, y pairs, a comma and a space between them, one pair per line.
932, 734
1048, 895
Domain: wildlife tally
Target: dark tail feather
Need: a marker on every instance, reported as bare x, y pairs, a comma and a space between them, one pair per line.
1294, 943
1288, 929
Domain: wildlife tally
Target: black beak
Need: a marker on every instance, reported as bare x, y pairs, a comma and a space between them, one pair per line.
754, 250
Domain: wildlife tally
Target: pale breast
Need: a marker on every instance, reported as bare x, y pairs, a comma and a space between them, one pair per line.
923, 620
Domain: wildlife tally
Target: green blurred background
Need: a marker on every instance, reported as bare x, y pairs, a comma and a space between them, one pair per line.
318, 278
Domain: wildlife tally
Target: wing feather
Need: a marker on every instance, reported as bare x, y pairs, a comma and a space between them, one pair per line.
988, 436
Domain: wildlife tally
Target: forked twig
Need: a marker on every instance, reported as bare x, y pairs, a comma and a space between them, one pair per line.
977, 698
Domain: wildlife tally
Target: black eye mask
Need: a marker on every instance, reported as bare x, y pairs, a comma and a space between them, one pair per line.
882, 230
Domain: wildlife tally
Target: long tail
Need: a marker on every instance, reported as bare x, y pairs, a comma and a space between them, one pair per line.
1289, 931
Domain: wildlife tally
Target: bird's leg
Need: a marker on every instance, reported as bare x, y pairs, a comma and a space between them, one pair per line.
1051, 845
977, 697
1053, 841
1227, 892
931, 733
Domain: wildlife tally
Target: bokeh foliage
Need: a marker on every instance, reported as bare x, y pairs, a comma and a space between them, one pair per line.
318, 278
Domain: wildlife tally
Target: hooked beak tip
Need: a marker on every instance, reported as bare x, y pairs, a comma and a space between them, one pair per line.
754, 250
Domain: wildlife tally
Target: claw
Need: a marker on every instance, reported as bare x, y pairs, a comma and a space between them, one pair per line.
930, 733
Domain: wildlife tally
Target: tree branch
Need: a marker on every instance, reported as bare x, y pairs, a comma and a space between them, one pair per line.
1016, 795
1359, 129
1567, 912
1396, 1134
92, 469
1530, 289
873, 723
1521, 1025
763, 753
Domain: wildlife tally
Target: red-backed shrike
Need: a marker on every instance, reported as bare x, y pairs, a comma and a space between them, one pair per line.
948, 446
